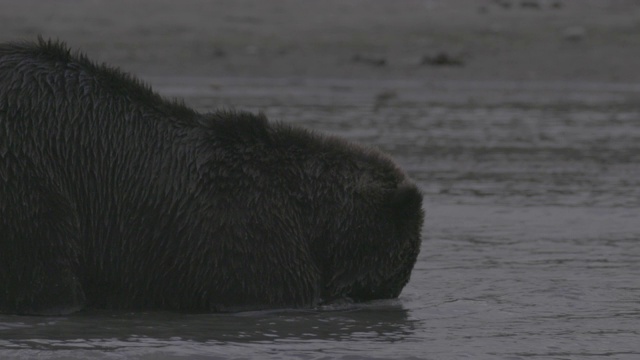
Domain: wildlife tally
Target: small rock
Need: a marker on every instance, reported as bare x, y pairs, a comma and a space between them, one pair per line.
369, 60
530, 4
442, 59
505, 4
557, 4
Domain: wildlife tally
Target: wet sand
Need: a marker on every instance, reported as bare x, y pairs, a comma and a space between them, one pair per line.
500, 40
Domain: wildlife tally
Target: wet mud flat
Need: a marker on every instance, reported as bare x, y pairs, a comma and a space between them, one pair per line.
528, 155
553, 40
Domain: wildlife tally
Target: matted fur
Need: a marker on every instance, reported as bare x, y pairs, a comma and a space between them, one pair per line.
113, 197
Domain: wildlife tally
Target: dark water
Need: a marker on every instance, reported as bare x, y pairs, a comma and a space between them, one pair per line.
531, 247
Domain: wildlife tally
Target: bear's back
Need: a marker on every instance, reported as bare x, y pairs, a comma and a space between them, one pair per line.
48, 77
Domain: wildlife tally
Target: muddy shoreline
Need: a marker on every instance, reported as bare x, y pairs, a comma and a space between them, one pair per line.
517, 40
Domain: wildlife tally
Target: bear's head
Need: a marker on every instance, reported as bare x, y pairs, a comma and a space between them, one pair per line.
348, 210
368, 236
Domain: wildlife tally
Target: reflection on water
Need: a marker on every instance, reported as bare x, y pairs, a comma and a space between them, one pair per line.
134, 334
531, 249
390, 323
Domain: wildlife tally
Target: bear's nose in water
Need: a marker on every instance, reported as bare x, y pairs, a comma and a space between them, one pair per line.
382, 266
405, 216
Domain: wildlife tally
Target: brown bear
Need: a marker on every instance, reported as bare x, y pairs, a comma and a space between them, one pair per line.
113, 197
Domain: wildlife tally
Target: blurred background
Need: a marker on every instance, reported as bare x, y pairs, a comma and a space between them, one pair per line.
457, 39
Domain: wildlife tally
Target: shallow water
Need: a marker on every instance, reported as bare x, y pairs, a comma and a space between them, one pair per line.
531, 246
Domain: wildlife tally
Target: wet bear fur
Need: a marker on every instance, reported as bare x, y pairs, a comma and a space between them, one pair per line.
113, 197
